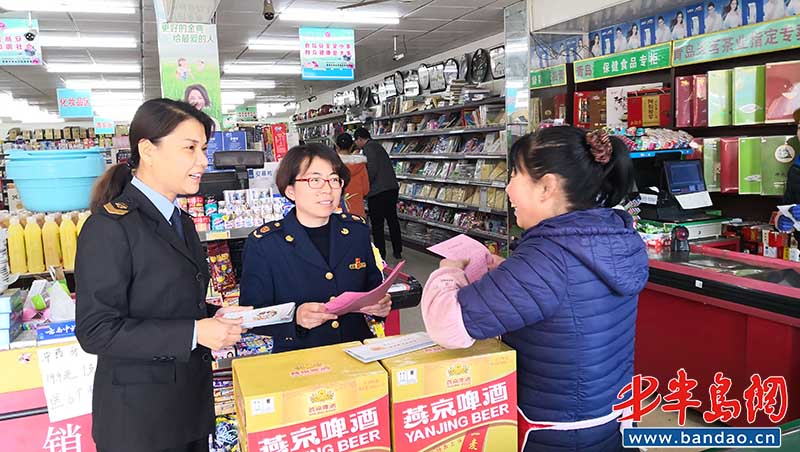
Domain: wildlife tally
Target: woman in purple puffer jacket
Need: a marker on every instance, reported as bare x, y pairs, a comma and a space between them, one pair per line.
566, 298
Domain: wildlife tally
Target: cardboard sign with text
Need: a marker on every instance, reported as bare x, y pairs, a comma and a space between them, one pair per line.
318, 399
454, 400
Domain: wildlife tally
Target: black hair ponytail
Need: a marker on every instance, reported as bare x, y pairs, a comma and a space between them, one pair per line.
565, 151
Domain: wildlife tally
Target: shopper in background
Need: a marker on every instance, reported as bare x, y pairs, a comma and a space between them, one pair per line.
792, 193
383, 193
312, 256
141, 277
357, 190
566, 298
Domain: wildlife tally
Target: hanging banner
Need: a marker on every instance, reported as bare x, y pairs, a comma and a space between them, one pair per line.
189, 63
103, 126
646, 59
280, 142
550, 77
74, 103
327, 53
19, 42
753, 39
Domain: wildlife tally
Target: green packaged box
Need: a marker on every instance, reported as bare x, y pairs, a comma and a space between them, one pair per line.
719, 98
749, 95
750, 166
776, 159
711, 164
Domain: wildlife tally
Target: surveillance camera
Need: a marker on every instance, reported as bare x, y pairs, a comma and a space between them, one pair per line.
30, 35
269, 10
398, 56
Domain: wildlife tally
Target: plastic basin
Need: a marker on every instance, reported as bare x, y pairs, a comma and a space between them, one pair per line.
55, 181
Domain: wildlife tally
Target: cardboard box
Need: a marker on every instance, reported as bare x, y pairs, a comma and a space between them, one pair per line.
729, 165
719, 98
776, 159
650, 108
454, 400
318, 399
684, 101
700, 113
750, 166
711, 164
749, 95
783, 91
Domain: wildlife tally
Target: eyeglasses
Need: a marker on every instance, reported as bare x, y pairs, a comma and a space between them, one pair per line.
319, 182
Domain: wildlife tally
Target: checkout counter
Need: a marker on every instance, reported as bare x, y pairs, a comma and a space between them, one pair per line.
712, 309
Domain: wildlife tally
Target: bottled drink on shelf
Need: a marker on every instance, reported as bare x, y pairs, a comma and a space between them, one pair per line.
69, 241
33, 246
51, 242
17, 259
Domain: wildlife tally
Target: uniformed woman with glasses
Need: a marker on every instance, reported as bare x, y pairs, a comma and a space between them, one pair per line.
311, 256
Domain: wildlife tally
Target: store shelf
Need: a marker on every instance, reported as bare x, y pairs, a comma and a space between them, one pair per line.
454, 228
646, 154
452, 156
453, 205
440, 132
446, 109
230, 234
353, 123
473, 182
320, 119
317, 140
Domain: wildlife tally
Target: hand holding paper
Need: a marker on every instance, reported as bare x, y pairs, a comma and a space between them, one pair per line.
356, 301
462, 247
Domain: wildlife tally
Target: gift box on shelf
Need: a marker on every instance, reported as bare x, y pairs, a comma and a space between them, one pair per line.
749, 95
729, 165
782, 91
719, 97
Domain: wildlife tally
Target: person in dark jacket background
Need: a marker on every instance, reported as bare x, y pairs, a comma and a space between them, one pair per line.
383, 193
565, 299
792, 193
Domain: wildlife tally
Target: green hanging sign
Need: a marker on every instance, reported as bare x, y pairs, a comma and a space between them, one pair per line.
549, 77
652, 58
753, 39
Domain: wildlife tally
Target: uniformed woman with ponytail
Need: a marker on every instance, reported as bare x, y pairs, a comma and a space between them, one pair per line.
141, 278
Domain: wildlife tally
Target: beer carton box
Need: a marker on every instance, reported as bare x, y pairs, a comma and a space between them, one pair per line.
318, 400
454, 400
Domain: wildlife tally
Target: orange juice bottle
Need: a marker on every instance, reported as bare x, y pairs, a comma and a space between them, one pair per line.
51, 242
17, 260
69, 242
33, 246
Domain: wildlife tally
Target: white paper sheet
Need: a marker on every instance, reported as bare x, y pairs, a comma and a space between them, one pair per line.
694, 200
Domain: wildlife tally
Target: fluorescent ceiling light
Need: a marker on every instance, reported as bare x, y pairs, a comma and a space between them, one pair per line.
266, 69
70, 6
103, 84
315, 15
62, 40
92, 68
268, 44
247, 84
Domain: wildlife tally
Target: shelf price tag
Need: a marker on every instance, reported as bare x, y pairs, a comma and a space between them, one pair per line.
218, 235
753, 39
646, 59
549, 77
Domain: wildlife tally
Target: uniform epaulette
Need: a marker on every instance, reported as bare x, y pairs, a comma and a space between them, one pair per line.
351, 217
117, 209
267, 229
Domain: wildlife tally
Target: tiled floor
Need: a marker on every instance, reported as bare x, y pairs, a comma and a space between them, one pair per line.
420, 265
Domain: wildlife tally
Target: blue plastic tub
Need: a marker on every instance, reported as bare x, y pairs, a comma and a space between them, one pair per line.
55, 181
